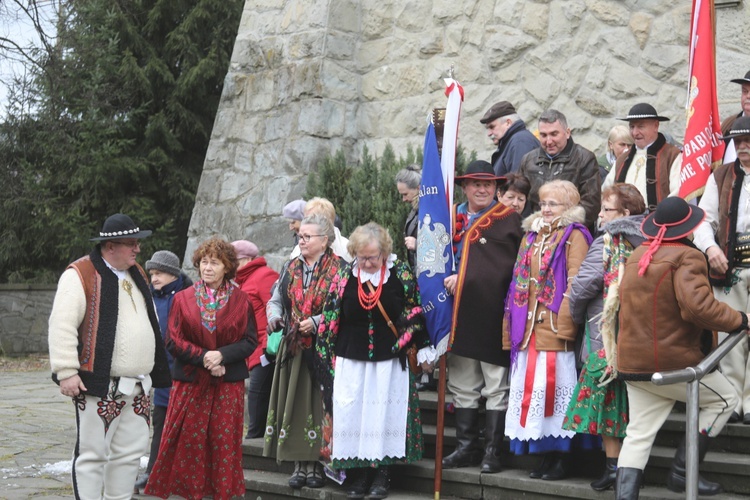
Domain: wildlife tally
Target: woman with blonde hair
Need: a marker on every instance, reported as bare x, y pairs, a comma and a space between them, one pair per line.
619, 141
325, 208
539, 331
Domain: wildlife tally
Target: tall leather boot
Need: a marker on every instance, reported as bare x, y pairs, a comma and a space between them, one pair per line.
494, 430
559, 468
381, 485
468, 452
676, 477
608, 478
628, 483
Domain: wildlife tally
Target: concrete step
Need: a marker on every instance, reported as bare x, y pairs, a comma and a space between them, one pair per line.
728, 462
416, 481
729, 469
274, 485
734, 437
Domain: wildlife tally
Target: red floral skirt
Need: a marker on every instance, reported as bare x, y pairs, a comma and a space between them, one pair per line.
201, 447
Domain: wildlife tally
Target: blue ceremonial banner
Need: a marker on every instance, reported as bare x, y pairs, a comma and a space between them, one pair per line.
434, 246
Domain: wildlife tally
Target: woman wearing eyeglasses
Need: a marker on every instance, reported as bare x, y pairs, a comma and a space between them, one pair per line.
539, 330
370, 319
599, 405
293, 428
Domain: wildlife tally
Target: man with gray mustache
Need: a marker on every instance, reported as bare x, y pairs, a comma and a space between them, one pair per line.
724, 236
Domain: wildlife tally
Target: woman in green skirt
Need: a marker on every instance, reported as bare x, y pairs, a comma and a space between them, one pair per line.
599, 405
295, 411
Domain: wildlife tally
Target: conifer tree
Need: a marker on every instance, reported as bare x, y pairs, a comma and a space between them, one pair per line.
117, 119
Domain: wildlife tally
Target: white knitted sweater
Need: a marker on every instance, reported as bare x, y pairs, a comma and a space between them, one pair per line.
134, 339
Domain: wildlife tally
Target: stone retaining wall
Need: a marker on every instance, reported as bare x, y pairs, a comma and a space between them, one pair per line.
24, 311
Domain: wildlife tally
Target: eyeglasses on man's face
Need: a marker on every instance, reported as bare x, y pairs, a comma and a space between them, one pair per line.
306, 237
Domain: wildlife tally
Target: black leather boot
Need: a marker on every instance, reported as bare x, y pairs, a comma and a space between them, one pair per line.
608, 478
559, 468
381, 485
676, 477
494, 430
359, 483
468, 452
544, 465
628, 483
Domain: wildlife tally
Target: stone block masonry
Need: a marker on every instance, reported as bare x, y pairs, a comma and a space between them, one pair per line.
309, 77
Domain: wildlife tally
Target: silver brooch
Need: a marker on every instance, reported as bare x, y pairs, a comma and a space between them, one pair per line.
482, 240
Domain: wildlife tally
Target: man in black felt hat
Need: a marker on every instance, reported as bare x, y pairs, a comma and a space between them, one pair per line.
725, 239
106, 352
508, 131
486, 238
653, 165
667, 270
730, 153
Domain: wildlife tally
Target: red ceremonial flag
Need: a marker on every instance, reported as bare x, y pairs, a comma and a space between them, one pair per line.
703, 147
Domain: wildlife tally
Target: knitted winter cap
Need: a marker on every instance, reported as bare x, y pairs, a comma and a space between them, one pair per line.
166, 261
245, 249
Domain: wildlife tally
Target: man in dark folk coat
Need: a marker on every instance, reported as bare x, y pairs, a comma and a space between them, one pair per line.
486, 240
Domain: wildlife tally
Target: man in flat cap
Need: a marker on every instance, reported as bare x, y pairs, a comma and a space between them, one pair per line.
653, 165
560, 158
724, 236
106, 352
508, 131
730, 153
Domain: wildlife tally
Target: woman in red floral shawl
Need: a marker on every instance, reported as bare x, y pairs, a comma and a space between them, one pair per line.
295, 412
211, 332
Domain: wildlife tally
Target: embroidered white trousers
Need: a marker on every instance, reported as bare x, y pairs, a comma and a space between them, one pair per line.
112, 437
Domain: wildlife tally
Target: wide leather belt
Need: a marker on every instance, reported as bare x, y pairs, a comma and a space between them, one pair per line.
742, 250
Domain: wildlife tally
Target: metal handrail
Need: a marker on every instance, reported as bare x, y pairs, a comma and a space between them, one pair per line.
693, 375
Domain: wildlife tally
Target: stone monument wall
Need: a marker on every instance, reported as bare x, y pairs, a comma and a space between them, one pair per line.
309, 77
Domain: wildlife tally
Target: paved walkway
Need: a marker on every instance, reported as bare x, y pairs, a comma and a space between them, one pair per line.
37, 433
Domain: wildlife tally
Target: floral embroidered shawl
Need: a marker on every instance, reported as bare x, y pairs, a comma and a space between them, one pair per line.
409, 325
209, 302
550, 285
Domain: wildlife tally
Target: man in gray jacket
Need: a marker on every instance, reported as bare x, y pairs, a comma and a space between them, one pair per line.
560, 158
